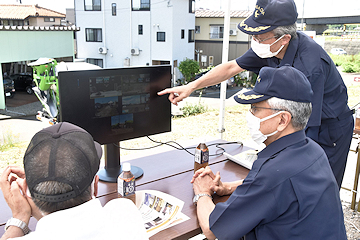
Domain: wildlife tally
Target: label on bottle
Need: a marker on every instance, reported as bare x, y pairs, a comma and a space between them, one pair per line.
126, 186
201, 156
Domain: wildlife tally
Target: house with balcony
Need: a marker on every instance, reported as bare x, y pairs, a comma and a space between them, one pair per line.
135, 33
209, 34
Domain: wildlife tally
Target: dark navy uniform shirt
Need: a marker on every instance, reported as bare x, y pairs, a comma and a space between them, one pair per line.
290, 193
303, 53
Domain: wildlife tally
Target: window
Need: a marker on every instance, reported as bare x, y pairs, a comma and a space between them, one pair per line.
49, 19
191, 6
93, 35
141, 5
182, 33
92, 5
113, 9
140, 29
197, 29
191, 35
95, 61
160, 36
216, 32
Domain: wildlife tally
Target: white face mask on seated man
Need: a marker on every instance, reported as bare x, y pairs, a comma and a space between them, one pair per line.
253, 124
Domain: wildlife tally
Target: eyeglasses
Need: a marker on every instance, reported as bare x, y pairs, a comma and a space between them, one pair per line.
253, 109
260, 41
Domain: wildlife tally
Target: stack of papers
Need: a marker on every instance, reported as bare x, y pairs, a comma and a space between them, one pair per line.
245, 159
159, 210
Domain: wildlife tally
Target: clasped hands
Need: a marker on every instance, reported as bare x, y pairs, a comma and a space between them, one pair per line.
205, 181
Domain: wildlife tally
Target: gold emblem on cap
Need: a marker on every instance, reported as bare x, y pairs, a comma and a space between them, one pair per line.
249, 97
258, 79
251, 29
260, 9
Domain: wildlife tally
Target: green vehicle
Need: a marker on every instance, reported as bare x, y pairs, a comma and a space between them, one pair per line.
45, 75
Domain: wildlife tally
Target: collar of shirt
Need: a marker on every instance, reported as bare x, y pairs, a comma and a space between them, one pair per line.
290, 53
275, 147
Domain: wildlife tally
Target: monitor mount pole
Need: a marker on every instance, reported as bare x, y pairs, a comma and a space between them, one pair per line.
112, 168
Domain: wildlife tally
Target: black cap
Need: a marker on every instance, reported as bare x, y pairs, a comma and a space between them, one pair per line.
62, 153
285, 82
268, 15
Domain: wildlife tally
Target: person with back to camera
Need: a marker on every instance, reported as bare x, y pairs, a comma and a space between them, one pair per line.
60, 182
290, 192
275, 43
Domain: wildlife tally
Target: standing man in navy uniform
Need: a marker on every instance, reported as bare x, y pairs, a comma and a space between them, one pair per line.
290, 192
275, 42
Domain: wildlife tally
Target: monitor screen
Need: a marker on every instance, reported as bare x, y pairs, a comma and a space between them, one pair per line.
116, 104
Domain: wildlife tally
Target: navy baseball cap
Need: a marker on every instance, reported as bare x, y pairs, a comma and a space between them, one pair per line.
268, 15
285, 82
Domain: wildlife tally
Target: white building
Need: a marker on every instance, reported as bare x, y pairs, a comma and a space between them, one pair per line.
120, 33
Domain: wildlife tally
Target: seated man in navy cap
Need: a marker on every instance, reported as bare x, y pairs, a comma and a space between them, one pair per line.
274, 43
290, 192
60, 165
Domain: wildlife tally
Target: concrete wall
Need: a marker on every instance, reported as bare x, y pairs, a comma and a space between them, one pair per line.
351, 47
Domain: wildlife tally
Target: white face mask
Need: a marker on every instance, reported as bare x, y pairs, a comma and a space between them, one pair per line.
263, 50
254, 127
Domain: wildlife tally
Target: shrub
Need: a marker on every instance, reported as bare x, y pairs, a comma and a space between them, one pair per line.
189, 68
193, 109
349, 63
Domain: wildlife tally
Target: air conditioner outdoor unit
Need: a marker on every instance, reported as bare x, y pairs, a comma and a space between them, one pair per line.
103, 50
135, 51
232, 32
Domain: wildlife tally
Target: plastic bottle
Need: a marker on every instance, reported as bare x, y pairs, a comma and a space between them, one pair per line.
357, 119
126, 183
201, 156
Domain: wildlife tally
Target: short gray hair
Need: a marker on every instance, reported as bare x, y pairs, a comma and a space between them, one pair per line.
54, 188
282, 30
299, 111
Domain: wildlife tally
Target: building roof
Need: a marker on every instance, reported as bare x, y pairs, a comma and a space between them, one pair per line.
205, 13
21, 12
39, 28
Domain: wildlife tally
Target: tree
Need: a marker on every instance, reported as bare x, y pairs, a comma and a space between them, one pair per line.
189, 68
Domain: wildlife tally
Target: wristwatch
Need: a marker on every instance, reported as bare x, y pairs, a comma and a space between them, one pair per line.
18, 223
198, 196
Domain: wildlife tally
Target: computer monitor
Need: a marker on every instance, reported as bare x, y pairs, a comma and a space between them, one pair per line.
115, 105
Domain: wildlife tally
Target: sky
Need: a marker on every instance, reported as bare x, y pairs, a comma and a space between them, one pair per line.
313, 8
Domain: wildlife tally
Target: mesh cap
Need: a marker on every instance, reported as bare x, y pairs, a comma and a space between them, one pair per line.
62, 153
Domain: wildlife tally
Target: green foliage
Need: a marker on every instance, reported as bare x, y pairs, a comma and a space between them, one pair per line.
189, 68
348, 63
193, 109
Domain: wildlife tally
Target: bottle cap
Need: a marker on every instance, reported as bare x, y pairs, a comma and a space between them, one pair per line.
126, 166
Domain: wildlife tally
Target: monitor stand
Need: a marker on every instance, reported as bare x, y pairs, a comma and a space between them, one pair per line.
112, 168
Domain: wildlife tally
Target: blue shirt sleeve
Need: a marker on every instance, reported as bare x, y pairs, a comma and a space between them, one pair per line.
257, 203
251, 62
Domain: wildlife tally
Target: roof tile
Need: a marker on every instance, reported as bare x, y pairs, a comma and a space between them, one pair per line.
205, 13
21, 12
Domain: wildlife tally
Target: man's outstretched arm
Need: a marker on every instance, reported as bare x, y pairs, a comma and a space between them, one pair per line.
217, 75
